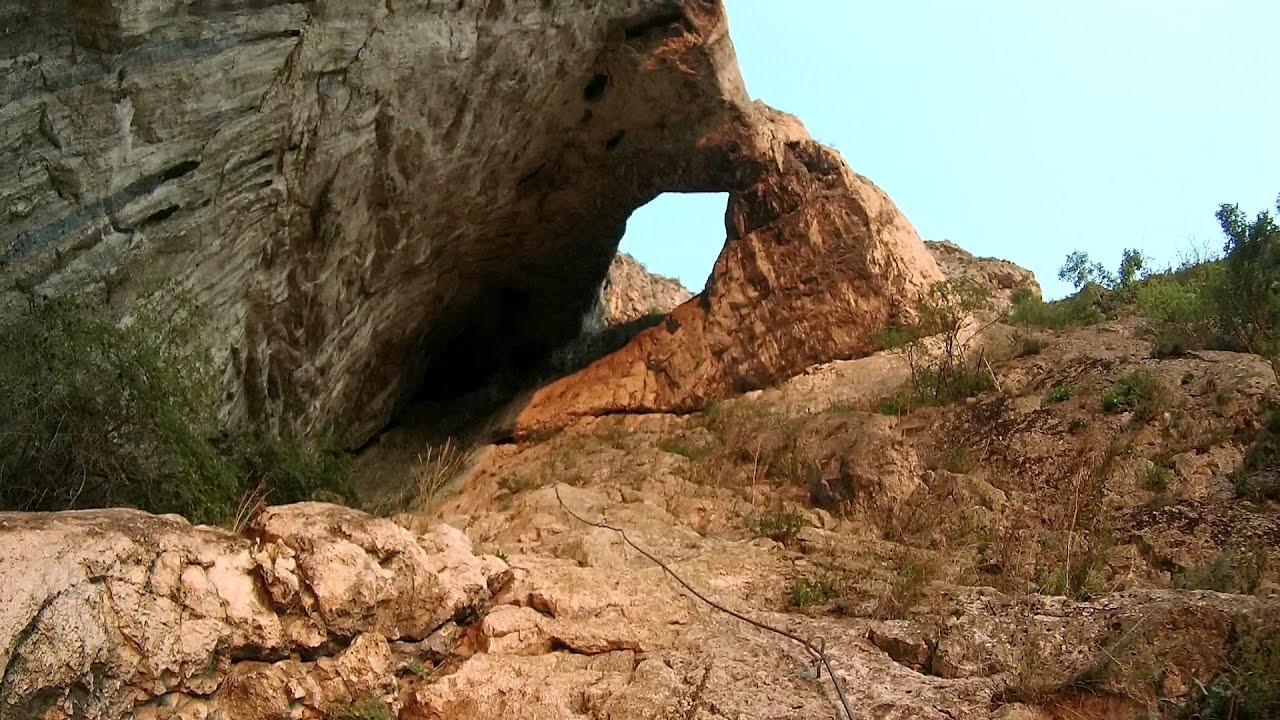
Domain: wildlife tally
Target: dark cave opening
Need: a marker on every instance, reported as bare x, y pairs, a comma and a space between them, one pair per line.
515, 335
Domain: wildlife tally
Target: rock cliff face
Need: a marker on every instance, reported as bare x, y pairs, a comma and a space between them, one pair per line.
630, 293
1001, 276
368, 198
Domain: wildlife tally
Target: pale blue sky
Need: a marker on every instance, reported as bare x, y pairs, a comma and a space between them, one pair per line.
1018, 129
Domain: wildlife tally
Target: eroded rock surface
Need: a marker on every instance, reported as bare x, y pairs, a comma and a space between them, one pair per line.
1001, 558
107, 612
372, 198
817, 258
630, 293
1001, 276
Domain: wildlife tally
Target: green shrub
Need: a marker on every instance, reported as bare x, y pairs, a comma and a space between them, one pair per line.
1056, 394
1178, 314
1247, 297
99, 414
1139, 391
780, 525
1249, 686
805, 593
1079, 309
1158, 477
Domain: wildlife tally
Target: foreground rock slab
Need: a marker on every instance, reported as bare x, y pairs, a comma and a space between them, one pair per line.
109, 612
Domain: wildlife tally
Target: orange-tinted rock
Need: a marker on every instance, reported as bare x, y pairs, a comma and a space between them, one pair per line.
817, 259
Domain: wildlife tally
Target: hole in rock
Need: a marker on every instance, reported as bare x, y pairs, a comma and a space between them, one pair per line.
674, 241
595, 89
545, 319
678, 235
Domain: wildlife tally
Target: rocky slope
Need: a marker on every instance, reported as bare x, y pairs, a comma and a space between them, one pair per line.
630, 293
369, 199
1001, 276
1021, 555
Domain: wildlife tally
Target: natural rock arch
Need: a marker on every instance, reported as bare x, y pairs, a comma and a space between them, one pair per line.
354, 189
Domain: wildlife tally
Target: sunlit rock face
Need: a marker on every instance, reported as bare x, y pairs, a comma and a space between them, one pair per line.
372, 198
817, 258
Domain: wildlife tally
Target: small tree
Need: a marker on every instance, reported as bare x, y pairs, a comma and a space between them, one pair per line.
1247, 297
1131, 265
1080, 270
938, 351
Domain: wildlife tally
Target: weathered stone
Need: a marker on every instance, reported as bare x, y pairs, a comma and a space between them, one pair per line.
631, 293
138, 607
368, 199
817, 259
1002, 277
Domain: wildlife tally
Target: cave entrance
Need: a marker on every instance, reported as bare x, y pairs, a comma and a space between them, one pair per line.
678, 235
510, 339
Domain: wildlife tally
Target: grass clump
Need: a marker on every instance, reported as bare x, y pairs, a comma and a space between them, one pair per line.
1259, 476
513, 485
937, 349
953, 458
100, 414
1056, 394
1028, 345
691, 452
1230, 571
911, 575
1138, 392
779, 525
807, 593
1158, 477
365, 708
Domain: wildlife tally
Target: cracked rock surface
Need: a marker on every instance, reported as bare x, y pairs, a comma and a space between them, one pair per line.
105, 612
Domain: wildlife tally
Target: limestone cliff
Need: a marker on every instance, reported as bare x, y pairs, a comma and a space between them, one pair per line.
630, 293
1001, 276
370, 198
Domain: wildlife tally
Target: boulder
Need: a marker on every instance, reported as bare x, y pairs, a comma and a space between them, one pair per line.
107, 612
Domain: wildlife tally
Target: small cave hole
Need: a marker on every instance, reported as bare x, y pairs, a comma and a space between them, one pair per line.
177, 171
595, 89
159, 215
615, 140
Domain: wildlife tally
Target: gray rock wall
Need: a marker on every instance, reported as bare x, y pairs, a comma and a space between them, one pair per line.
352, 191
